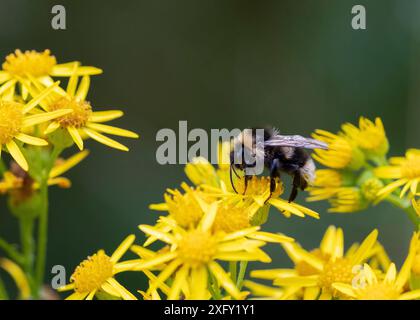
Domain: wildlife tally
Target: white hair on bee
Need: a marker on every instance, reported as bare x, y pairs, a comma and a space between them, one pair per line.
308, 171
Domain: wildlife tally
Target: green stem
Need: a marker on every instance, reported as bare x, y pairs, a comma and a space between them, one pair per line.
43, 222
233, 270
28, 249
405, 204
11, 251
242, 270
26, 231
214, 287
42, 239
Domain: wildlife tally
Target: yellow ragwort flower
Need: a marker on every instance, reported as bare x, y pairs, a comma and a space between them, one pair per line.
257, 195
15, 118
326, 185
405, 171
97, 273
315, 271
20, 66
348, 199
194, 251
82, 122
370, 136
18, 180
342, 152
389, 288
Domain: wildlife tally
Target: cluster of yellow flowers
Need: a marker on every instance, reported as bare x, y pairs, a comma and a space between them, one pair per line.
358, 172
206, 234
38, 121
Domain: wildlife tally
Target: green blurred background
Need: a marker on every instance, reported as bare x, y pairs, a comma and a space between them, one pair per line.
295, 65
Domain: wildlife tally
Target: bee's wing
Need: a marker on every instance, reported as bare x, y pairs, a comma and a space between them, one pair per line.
295, 141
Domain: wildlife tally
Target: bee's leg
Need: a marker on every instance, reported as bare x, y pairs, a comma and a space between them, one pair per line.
274, 173
297, 183
231, 178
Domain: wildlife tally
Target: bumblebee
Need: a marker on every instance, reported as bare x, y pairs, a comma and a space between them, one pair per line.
279, 153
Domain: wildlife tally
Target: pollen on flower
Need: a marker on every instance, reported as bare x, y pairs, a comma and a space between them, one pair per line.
258, 186
370, 188
229, 219
338, 270
35, 63
379, 291
11, 118
197, 247
184, 208
92, 273
80, 115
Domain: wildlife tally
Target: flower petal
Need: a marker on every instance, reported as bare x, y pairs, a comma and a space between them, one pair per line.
104, 140
17, 155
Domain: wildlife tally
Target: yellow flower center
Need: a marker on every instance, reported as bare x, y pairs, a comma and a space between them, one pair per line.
378, 291
92, 273
258, 186
80, 115
371, 187
37, 64
338, 270
411, 167
197, 247
11, 118
305, 269
184, 208
229, 219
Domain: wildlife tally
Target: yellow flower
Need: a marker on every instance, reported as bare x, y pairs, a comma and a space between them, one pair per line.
348, 199
406, 171
326, 185
17, 180
370, 136
264, 292
342, 152
82, 121
194, 251
39, 65
390, 288
200, 171
97, 273
256, 197
14, 119
315, 271
18, 277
